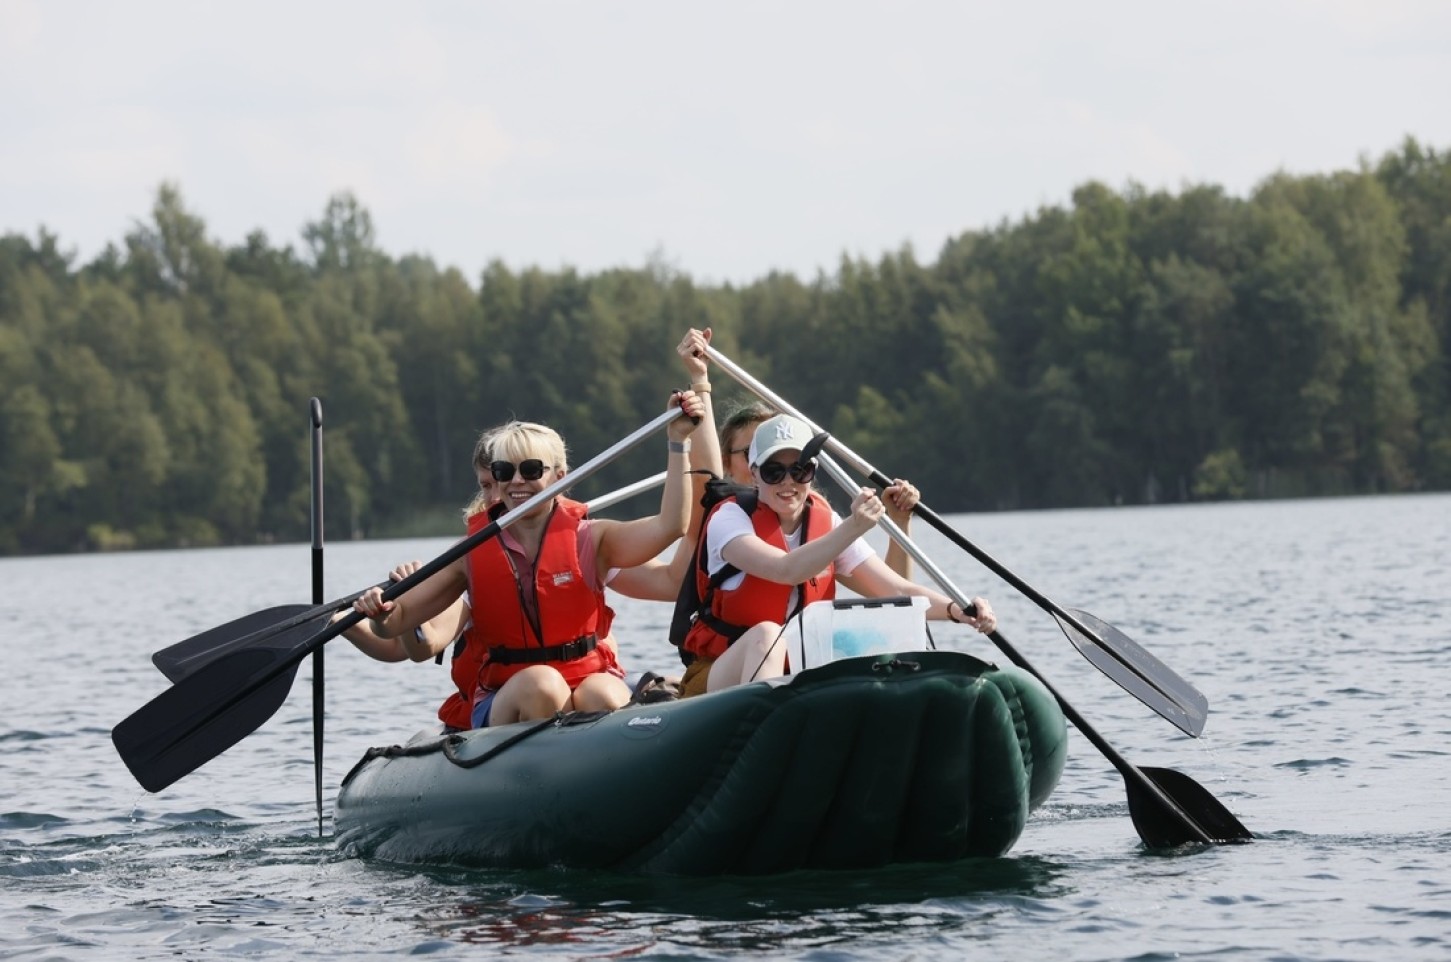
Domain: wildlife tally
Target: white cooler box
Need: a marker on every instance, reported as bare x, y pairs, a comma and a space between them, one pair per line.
827, 631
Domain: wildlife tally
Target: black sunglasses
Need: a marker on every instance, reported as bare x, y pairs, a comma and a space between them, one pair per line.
774, 472
531, 469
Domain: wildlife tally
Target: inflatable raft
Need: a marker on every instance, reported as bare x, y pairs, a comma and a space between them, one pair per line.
923, 756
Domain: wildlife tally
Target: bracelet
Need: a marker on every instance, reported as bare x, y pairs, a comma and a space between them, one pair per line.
949, 612
678, 447
700, 387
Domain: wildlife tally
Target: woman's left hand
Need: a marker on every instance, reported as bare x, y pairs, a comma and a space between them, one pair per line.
692, 353
372, 605
900, 497
983, 618
404, 570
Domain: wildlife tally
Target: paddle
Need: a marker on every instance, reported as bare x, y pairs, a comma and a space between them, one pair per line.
628, 491
1136, 671
1167, 808
280, 627
227, 699
288, 626
319, 699
1107, 649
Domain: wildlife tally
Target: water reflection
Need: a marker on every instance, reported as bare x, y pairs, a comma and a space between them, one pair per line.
800, 909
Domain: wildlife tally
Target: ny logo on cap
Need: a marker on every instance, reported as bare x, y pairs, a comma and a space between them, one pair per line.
785, 430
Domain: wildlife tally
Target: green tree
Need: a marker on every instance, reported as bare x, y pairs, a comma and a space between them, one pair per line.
1289, 346
342, 240
32, 452
1419, 179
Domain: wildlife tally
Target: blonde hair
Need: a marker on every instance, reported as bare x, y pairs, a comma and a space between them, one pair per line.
479, 504
515, 441
520, 440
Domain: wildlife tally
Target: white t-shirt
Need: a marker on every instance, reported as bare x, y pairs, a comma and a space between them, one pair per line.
731, 522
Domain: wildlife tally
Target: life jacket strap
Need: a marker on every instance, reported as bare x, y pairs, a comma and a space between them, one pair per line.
568, 651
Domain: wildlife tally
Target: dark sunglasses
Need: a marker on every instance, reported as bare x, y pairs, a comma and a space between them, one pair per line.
531, 469
774, 472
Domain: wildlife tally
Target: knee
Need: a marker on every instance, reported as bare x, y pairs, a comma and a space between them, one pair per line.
757, 654
538, 686
600, 692
762, 637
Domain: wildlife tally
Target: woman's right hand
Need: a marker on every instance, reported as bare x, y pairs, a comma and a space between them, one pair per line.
371, 602
866, 510
694, 408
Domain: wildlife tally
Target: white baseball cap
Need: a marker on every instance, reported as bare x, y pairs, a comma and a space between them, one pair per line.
779, 433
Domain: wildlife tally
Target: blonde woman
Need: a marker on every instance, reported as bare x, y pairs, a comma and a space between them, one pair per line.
536, 589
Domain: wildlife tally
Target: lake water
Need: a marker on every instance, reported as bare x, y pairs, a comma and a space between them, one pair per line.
1319, 630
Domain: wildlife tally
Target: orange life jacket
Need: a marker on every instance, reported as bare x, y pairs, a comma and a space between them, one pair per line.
569, 614
727, 613
468, 659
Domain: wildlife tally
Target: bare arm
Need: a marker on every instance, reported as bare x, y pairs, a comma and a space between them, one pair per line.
368, 641
873, 579
417, 605
438, 632
650, 581
655, 580
437, 636
705, 453
755, 557
625, 544
434, 635
900, 497
364, 639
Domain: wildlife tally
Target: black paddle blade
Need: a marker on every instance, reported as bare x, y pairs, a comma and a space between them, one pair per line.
1137, 672
1190, 807
186, 657
203, 715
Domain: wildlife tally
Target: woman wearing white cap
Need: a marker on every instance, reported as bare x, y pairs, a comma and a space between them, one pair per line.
755, 568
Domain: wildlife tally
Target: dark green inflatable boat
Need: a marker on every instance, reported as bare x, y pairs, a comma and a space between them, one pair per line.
910, 757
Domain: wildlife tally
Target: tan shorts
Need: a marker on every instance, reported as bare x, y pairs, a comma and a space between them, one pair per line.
697, 673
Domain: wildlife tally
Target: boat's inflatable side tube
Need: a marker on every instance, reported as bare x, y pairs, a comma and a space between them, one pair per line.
922, 756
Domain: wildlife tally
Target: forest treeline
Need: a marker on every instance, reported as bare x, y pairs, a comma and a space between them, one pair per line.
1130, 347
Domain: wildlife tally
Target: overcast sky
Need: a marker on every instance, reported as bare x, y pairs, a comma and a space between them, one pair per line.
728, 138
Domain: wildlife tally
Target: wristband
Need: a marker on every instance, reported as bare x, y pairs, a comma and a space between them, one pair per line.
678, 447
700, 387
